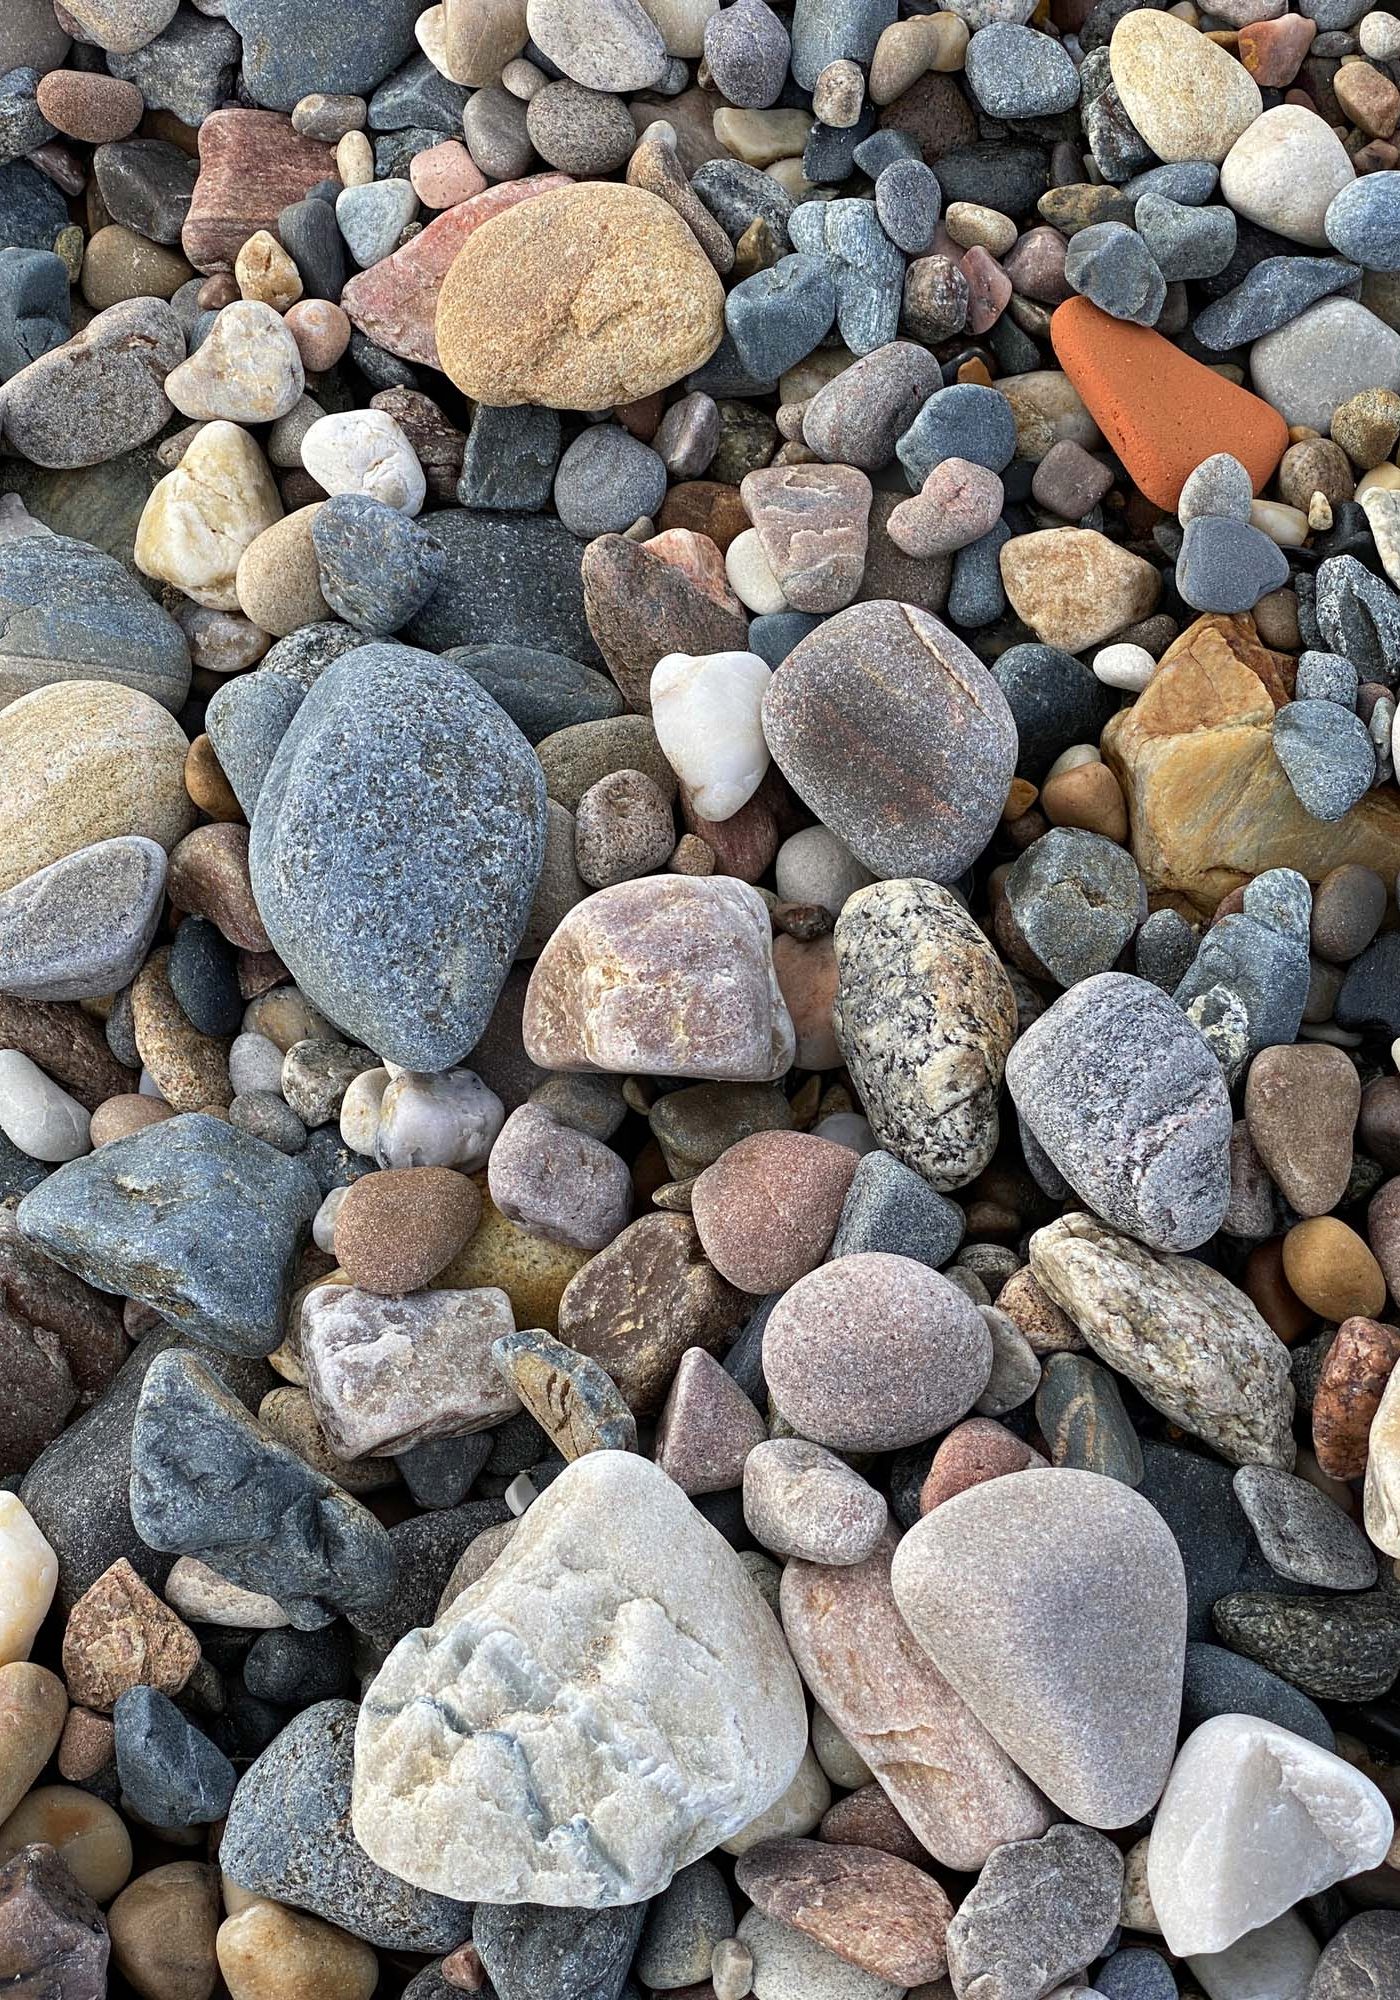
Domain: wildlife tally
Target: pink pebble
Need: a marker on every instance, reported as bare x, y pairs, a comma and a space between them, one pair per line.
444, 175
321, 331
988, 286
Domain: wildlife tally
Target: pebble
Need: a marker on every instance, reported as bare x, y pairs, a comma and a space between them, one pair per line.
365, 451
870, 1909
86, 400
264, 1943
396, 1230
1076, 900
46, 1917
1283, 171
375, 567
1227, 565
247, 371
1074, 587
171, 1774
1322, 358
805, 1502
1187, 97
561, 1183
1065, 1890
1304, 1536
202, 516
1327, 755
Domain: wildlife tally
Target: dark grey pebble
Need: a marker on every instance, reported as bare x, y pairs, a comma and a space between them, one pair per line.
418, 94
191, 68
33, 212
737, 194
746, 48
774, 635
1227, 565
23, 126
310, 234
292, 47
606, 481
1362, 1960
1111, 266
963, 421
1195, 1496
885, 145
1332, 1647
295, 1668
1076, 899
1273, 292
1165, 949
1266, 967
208, 1481
1303, 1536
171, 1774
1010, 176
1219, 1682
69, 612
889, 1207
866, 268
334, 1164
529, 1951
203, 970
493, 125
289, 1837
1081, 1415
976, 596
1370, 995
376, 566
1189, 181
34, 307
1055, 699
830, 152
909, 202
426, 1550
1136, 1974
540, 692
776, 317
146, 184
510, 458
1327, 755
443, 1471
507, 580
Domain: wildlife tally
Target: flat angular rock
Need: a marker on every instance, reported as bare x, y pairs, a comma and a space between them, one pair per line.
53, 1937
641, 608
883, 689
1073, 1657
574, 1401
406, 810
1038, 1911
927, 1052
208, 1481
871, 1909
1187, 1339
1305, 1537
194, 1217
670, 974
70, 613
82, 926
509, 581
289, 1838
1129, 1102
955, 1789
528, 1950
252, 165
290, 50
101, 393
1305, 1818
386, 1374
628, 1621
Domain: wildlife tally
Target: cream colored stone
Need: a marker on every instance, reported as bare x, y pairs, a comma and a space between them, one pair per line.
198, 1592
1074, 587
33, 1708
758, 138
248, 369
1382, 1500
1188, 97
1283, 171
269, 1952
86, 1833
265, 272
203, 515
354, 160
796, 1813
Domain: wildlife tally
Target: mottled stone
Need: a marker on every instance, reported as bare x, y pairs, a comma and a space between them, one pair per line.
927, 1055
1188, 1340
1075, 588
1334, 1648
1362, 1958
1039, 1910
767, 1209
118, 1636
869, 1908
53, 1937
574, 1401
1129, 1102
82, 926
1301, 1107
883, 687
641, 1561
1357, 1366
99, 394
628, 981
1304, 1536
952, 1786
801, 1500
811, 523
1083, 1421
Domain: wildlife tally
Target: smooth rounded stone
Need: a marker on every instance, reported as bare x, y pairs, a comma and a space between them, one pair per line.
365, 451
956, 1794
787, 1962
188, 1067
375, 566
72, 613
36, 1114
871, 1909
1361, 221
1382, 1490
1283, 173
766, 1210
145, 185
811, 522
1191, 1343
746, 51
1355, 1370
1363, 1957
959, 503
1129, 1102
614, 45
1218, 1682
1327, 755
908, 200
778, 316
1305, 1537
386, 1374
529, 1951
247, 370
1219, 486
928, 1069
1081, 1416
963, 421
1301, 1106
610, 238
171, 1774
261, 1945
29, 1571
395, 1231
1074, 587
707, 713
509, 581
162, 1928
580, 131
802, 1501
1270, 295
866, 268
1039, 1910
1313, 1820
372, 218
873, 1352
84, 1830
812, 866
1188, 98
561, 1183
289, 1838
707, 1428
1228, 566
276, 582
200, 1594
33, 1706
414, 976
82, 926
1077, 900
643, 1004
1056, 1714
203, 976
100, 394
196, 1259
617, 1543
541, 692
883, 686
450, 1119
684, 1924
246, 719
204, 514
606, 480
53, 1936
256, 1510
1015, 72
1055, 702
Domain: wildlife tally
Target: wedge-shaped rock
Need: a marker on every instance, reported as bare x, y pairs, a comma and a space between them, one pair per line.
70, 613
207, 1480
193, 1217
82, 926
1126, 1097
1253, 1820
670, 974
1055, 1603
608, 1703
955, 1788
1185, 1337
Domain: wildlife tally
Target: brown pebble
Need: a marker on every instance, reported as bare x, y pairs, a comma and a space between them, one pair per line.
1354, 1374
1035, 1314
163, 1926
768, 1207
321, 331
1089, 796
1330, 1268
277, 581
119, 1635
1265, 1284
189, 1069
1383, 1232
33, 1704
218, 291
707, 507
1301, 1104
806, 972
66, 1042
269, 1952
206, 784
707, 1428
85, 1832
87, 1745
252, 165
208, 877
866, 1906
120, 1116
395, 1230
975, 1450
1347, 907
89, 105
869, 1818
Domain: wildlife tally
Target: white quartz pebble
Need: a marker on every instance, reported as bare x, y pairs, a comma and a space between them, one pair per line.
750, 576
197, 1591
28, 1578
707, 709
38, 1115
360, 1110
365, 451
323, 1222
1253, 1819
447, 1120
1124, 666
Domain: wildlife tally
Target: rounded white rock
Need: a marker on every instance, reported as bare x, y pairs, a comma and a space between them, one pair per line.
38, 1115
751, 577
1124, 666
360, 1110
446, 1120
365, 451
28, 1579
707, 709
202, 516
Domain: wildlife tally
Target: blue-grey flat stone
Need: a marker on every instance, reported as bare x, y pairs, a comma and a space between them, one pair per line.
1327, 756
1111, 266
776, 317
1186, 240
171, 1774
1271, 294
540, 692
507, 580
246, 719
193, 1217
891, 1208
68, 612
33, 212
963, 421
1363, 221
292, 47
1016, 72
376, 566
418, 94
509, 459
1227, 566
866, 268
82, 926
396, 849
1218, 1682
34, 307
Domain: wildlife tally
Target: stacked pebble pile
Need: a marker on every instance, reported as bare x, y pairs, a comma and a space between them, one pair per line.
699, 995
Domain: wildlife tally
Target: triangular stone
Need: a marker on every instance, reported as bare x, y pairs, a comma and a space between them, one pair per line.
708, 1427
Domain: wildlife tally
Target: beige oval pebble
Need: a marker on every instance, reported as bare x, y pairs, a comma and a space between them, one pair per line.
85, 1831
268, 1952
163, 1926
278, 583
1188, 97
33, 1705
202, 516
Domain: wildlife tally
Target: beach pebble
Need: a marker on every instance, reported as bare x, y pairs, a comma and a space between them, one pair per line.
1283, 172
803, 1501
766, 1210
247, 371
707, 712
30, 1572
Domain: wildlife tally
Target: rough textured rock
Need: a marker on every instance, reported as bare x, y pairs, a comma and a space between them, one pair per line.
669, 974
1183, 1335
53, 1937
1038, 1911
406, 810
1129, 1102
871, 1909
82, 926
924, 1016
896, 736
1073, 1657
955, 1789
649, 1683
